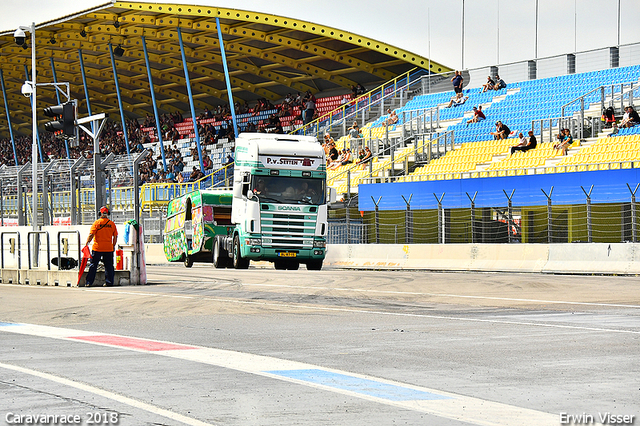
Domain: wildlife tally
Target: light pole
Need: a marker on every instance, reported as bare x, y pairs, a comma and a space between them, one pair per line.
20, 37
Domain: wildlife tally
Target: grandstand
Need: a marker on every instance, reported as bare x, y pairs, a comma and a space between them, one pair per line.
543, 105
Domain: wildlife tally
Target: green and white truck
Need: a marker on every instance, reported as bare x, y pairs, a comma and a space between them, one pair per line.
279, 206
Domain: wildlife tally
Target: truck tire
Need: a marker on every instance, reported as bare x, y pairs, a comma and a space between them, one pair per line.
315, 265
293, 266
238, 261
280, 265
188, 261
220, 255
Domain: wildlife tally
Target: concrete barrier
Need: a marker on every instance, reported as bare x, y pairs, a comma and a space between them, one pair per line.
596, 258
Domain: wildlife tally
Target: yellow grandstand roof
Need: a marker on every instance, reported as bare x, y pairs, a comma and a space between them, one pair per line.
268, 56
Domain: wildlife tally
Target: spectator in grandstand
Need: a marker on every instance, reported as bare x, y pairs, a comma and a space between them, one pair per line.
567, 140
309, 108
195, 175
206, 160
500, 84
615, 130
488, 85
360, 89
458, 99
502, 131
478, 115
334, 164
230, 160
525, 143
333, 153
457, 81
345, 100
392, 118
354, 131
609, 117
630, 118
367, 157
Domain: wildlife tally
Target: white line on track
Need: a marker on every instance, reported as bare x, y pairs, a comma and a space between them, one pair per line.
463, 408
114, 396
370, 312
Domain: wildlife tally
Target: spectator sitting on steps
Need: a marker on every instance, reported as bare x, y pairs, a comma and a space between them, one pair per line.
525, 143
458, 99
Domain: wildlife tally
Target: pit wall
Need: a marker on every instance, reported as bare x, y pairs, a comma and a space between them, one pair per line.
40, 274
595, 258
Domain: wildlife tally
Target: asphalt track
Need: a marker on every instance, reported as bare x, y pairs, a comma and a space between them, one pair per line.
334, 347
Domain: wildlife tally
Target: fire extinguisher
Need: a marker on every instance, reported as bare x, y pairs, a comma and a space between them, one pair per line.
119, 262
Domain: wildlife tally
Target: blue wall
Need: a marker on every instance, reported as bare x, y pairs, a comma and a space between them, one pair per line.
609, 186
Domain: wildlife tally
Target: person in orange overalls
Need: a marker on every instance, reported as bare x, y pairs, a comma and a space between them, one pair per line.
104, 235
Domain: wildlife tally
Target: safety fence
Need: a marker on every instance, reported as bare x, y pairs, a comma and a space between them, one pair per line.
497, 220
66, 192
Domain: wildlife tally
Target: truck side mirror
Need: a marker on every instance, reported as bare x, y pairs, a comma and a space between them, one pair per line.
246, 181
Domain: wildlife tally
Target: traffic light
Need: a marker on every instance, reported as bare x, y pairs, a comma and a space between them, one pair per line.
64, 119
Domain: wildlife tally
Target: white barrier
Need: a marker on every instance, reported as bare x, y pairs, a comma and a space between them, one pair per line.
596, 258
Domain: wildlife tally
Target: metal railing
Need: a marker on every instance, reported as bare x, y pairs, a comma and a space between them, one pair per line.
355, 109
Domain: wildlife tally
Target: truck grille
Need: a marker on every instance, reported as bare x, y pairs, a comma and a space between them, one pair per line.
291, 230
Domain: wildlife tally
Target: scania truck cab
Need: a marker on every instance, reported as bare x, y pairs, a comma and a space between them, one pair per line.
279, 207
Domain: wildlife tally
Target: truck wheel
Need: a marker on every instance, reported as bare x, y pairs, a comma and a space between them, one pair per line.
315, 265
188, 261
293, 266
238, 261
220, 255
280, 265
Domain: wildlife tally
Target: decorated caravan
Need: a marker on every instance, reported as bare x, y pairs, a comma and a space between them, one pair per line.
279, 208
193, 220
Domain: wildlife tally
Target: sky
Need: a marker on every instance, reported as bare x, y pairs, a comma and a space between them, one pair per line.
496, 31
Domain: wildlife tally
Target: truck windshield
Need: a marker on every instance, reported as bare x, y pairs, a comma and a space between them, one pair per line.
289, 190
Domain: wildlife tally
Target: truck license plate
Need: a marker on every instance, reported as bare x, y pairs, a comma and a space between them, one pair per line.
287, 254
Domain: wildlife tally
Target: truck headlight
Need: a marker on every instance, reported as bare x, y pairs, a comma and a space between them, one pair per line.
254, 241
319, 244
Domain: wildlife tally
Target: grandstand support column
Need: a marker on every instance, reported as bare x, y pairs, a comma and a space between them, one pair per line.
6, 108
348, 184
549, 217
634, 234
441, 225
136, 184
347, 220
473, 216
75, 211
55, 80
589, 230
153, 100
122, 118
191, 105
377, 218
509, 213
84, 83
22, 220
1, 203
408, 221
46, 219
227, 79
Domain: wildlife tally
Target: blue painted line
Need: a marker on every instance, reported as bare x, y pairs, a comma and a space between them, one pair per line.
4, 324
358, 385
